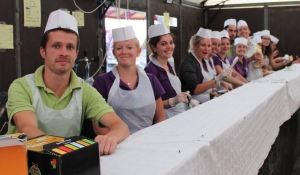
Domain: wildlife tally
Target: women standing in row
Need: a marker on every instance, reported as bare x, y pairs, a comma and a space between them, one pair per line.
215, 48
161, 44
134, 95
240, 49
268, 51
221, 62
194, 74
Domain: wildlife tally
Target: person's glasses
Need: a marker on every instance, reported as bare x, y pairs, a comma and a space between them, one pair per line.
266, 38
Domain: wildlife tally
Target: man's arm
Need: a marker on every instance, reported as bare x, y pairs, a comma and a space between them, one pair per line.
159, 115
118, 131
26, 122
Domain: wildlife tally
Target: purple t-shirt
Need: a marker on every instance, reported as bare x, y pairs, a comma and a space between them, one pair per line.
239, 67
104, 82
218, 61
161, 75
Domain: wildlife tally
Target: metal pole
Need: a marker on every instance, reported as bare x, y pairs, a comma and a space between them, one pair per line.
17, 39
266, 16
101, 37
180, 24
148, 21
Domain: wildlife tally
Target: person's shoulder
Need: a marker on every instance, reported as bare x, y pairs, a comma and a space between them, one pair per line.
151, 76
151, 68
19, 82
215, 57
230, 59
188, 60
153, 79
149, 65
105, 77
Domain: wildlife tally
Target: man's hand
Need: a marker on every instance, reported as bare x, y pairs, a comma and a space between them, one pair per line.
118, 131
261, 61
257, 56
297, 61
275, 53
107, 144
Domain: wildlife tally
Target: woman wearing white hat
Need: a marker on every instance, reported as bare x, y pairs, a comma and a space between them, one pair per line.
221, 62
268, 51
240, 49
253, 57
274, 42
161, 46
194, 73
215, 48
134, 94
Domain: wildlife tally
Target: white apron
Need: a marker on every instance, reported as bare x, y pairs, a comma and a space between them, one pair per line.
135, 107
176, 84
253, 72
224, 66
203, 97
267, 61
65, 122
212, 69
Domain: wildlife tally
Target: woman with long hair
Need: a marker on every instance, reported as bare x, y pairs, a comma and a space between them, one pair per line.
161, 46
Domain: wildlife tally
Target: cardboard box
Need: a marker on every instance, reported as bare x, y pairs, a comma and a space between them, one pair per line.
50, 155
13, 158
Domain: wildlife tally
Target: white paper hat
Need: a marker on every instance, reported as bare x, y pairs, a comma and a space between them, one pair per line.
123, 33
224, 34
157, 30
240, 40
257, 34
230, 22
61, 19
216, 35
256, 39
241, 23
274, 39
265, 33
204, 33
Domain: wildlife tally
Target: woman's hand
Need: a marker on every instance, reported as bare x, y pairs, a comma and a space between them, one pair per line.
213, 94
226, 86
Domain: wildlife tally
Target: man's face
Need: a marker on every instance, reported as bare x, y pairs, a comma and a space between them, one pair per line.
231, 31
244, 31
60, 52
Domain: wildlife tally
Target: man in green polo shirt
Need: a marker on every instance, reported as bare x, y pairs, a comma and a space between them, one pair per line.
54, 100
230, 27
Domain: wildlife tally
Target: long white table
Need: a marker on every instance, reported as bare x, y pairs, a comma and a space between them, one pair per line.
231, 134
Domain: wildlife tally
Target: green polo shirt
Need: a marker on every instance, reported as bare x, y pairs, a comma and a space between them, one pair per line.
230, 52
20, 98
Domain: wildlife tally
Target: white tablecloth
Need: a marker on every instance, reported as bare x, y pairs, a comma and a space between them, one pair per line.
291, 77
232, 134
